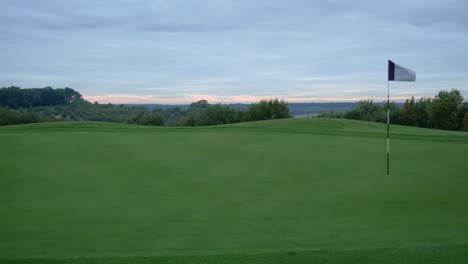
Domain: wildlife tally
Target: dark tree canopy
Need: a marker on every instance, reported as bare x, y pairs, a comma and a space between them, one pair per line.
267, 109
444, 110
200, 104
15, 97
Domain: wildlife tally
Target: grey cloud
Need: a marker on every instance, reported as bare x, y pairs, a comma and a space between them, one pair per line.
187, 27
446, 14
140, 15
226, 48
180, 16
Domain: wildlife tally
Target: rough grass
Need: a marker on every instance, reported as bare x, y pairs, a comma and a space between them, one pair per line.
282, 191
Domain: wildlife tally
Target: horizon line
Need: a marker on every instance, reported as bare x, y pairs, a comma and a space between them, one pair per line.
213, 99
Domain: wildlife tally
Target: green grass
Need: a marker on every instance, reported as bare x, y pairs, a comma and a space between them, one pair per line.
282, 191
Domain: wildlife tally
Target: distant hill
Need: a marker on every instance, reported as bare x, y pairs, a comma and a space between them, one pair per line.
160, 106
296, 109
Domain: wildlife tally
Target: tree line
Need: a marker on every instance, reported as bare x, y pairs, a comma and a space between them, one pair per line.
65, 104
202, 113
445, 111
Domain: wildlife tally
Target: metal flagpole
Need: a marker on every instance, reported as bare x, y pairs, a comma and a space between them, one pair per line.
388, 128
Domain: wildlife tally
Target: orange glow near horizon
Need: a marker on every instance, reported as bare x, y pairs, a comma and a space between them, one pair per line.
153, 99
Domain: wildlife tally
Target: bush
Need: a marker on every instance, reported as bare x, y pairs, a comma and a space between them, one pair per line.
148, 118
11, 117
267, 109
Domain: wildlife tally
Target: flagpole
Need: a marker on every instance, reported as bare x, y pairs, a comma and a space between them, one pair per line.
388, 128
395, 73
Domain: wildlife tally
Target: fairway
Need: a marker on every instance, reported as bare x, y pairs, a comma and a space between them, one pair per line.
280, 191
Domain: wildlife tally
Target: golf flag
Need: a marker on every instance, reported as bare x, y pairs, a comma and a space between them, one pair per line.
399, 73
395, 73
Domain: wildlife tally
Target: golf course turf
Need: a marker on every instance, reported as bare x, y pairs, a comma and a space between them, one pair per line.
279, 191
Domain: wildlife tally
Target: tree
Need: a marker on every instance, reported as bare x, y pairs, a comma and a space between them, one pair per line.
267, 109
15, 97
367, 110
220, 114
465, 122
407, 112
374, 112
462, 117
71, 95
395, 114
280, 109
412, 114
420, 116
444, 108
147, 118
200, 104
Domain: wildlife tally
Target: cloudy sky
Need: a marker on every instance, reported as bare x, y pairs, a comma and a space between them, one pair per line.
166, 51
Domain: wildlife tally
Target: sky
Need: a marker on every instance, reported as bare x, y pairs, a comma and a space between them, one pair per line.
228, 51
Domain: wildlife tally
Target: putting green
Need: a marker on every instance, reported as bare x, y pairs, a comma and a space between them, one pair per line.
295, 190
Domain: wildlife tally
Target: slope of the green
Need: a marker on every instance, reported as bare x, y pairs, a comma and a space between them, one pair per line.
329, 125
296, 190
422, 255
